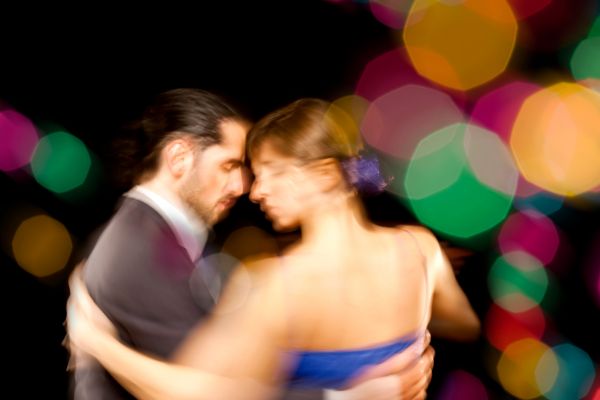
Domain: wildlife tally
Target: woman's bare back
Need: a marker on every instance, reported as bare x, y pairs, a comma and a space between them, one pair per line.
370, 290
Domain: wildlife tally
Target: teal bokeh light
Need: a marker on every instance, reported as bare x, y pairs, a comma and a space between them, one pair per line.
575, 375
544, 202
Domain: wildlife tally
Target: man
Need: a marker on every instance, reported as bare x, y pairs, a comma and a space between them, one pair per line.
187, 156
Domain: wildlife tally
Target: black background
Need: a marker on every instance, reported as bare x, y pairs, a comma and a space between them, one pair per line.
89, 69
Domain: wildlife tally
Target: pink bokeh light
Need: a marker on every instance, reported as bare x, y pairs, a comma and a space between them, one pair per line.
532, 232
395, 122
19, 137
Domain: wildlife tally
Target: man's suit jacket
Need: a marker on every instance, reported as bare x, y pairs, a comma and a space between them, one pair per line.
142, 278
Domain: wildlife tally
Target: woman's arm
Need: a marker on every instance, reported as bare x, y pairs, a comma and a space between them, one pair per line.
148, 378
244, 336
452, 316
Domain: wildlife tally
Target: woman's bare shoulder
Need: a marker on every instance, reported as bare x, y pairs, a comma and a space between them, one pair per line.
414, 229
425, 238
260, 267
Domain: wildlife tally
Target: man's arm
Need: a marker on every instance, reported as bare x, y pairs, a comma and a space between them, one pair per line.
404, 376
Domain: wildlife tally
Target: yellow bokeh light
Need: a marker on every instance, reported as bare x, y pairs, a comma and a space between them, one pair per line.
520, 365
460, 44
249, 242
344, 117
41, 245
350, 111
556, 139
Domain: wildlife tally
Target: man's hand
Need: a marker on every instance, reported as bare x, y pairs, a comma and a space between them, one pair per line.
405, 376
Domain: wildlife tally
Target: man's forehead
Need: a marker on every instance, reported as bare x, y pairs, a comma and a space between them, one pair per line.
234, 129
233, 135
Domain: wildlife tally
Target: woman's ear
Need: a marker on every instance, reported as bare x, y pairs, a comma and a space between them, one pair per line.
327, 173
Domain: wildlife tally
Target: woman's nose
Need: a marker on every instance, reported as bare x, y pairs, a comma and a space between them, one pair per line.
256, 191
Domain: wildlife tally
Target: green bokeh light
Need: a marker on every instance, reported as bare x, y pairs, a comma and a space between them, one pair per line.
61, 162
585, 61
517, 281
595, 28
445, 193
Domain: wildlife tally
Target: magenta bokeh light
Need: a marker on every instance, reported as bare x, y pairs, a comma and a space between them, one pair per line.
532, 232
19, 137
498, 109
395, 122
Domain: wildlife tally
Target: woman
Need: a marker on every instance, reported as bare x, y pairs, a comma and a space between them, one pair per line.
347, 296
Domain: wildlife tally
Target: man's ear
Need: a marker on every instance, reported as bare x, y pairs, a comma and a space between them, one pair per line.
178, 156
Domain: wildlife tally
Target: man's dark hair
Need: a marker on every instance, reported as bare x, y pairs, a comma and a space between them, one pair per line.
175, 113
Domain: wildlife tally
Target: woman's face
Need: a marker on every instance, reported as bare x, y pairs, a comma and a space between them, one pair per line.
282, 187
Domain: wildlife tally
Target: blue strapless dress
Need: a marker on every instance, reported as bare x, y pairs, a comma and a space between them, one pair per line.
335, 369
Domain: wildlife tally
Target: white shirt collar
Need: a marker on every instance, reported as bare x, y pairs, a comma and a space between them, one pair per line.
190, 231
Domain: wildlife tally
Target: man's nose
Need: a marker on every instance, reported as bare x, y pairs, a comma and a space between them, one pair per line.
236, 185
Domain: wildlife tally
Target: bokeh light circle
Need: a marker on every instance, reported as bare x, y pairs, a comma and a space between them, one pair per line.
461, 180
61, 162
555, 139
517, 281
41, 245
18, 138
462, 44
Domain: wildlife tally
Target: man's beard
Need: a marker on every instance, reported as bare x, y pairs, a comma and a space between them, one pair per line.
191, 198
204, 213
